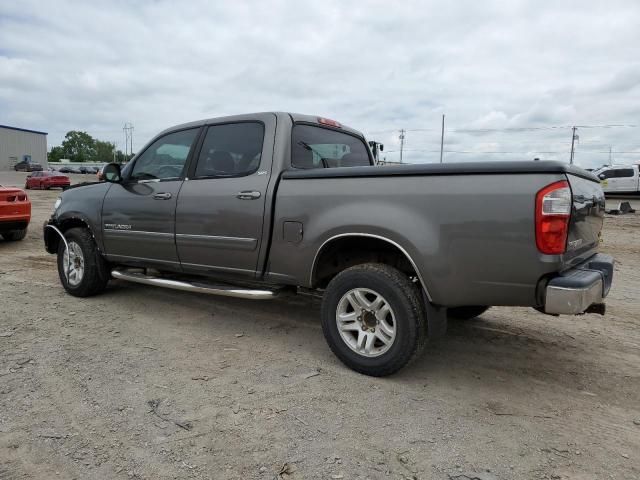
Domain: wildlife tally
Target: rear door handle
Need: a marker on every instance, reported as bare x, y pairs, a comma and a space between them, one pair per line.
248, 195
162, 196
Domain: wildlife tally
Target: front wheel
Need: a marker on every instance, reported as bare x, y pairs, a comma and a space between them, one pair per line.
82, 270
373, 319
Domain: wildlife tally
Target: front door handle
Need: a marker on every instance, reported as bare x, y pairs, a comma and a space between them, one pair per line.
248, 195
162, 196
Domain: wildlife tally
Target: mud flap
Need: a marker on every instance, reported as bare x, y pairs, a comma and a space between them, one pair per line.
436, 319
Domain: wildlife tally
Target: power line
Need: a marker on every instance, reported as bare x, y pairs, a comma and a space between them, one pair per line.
510, 129
479, 152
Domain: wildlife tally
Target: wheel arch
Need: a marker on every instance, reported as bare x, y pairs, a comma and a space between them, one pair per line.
52, 238
322, 271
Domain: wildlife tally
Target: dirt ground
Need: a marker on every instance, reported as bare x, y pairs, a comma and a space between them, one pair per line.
148, 383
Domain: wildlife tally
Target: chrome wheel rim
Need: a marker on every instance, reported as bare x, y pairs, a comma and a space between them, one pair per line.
73, 264
366, 322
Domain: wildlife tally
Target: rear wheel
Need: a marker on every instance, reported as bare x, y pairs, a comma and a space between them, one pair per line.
82, 270
14, 235
466, 313
373, 319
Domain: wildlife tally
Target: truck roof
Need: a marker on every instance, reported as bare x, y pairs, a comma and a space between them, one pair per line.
295, 117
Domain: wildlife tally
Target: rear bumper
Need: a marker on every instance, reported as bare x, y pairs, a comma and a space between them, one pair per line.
577, 289
13, 224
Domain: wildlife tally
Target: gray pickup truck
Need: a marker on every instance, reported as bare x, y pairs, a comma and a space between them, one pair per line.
269, 204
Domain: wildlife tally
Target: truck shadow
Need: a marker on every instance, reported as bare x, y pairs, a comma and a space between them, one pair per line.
505, 346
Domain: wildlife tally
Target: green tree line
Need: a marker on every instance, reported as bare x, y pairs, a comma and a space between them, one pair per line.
81, 147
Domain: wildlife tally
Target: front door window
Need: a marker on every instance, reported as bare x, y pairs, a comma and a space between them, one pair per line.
165, 158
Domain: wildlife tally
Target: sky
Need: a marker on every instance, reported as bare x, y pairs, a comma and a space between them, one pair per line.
511, 77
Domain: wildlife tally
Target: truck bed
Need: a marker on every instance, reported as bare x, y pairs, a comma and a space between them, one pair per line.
468, 226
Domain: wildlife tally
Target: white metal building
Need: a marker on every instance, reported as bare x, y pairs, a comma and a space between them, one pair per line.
18, 144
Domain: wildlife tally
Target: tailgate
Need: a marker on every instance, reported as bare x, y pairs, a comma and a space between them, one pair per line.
587, 216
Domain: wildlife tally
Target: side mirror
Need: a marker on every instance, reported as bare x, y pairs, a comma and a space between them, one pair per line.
112, 173
602, 176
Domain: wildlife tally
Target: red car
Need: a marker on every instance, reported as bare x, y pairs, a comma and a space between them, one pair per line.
15, 213
47, 180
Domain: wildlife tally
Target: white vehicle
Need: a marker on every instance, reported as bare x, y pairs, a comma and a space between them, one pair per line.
619, 178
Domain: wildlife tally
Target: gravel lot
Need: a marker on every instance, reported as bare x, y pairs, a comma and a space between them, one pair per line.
151, 383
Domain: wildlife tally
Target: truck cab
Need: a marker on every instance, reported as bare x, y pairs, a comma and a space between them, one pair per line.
619, 178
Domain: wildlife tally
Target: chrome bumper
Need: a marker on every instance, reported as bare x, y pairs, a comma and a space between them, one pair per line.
575, 290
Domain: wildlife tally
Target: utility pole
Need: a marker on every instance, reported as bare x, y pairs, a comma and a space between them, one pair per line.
610, 159
442, 139
401, 143
574, 137
128, 139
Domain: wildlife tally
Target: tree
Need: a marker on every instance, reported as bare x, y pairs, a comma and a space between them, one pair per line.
122, 158
104, 151
79, 146
82, 147
55, 154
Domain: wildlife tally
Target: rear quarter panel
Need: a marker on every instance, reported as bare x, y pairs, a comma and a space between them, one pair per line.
472, 237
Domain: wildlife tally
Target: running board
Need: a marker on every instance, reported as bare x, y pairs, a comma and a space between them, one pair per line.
211, 289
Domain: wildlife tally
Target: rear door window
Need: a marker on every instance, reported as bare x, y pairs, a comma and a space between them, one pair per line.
231, 150
624, 172
317, 147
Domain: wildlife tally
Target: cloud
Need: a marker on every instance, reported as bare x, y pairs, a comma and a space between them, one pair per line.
374, 65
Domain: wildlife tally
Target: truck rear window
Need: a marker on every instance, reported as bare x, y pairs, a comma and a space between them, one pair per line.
317, 147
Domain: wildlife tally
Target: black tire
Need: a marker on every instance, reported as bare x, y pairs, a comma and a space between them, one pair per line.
403, 297
466, 313
96, 269
14, 235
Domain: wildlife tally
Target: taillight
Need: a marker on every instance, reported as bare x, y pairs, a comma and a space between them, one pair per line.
553, 209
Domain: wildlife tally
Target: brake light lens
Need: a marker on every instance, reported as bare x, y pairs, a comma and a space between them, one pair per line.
553, 210
328, 121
